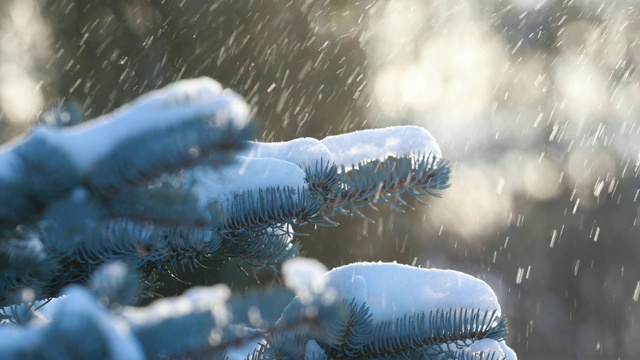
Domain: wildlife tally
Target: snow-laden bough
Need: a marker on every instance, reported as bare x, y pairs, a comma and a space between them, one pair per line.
401, 310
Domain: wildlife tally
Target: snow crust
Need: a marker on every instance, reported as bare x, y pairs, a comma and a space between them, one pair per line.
377, 144
351, 148
302, 152
181, 101
246, 174
392, 290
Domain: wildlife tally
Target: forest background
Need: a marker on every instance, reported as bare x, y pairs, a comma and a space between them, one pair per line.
535, 103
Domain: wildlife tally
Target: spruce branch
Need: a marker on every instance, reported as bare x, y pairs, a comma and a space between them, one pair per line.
169, 180
354, 332
169, 129
386, 181
151, 192
439, 332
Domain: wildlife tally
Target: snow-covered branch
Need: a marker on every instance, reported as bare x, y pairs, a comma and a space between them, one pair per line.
170, 179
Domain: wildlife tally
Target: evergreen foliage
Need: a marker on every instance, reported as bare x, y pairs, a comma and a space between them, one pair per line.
96, 211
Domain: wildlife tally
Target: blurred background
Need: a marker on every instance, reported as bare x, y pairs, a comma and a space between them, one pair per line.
535, 103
